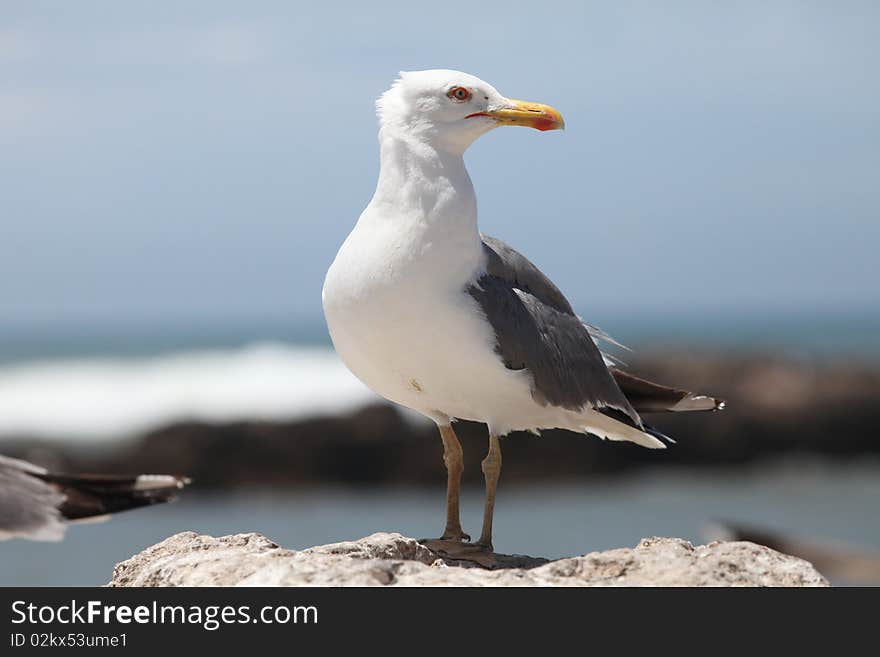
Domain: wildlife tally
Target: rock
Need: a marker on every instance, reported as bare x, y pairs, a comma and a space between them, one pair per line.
384, 559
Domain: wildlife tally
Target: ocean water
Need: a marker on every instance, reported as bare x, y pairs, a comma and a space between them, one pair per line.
812, 500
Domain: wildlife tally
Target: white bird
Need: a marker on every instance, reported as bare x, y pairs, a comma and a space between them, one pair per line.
453, 324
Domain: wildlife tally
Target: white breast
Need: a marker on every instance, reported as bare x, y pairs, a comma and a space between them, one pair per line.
398, 313
396, 302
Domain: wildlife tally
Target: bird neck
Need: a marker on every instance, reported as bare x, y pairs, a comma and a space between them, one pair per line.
420, 183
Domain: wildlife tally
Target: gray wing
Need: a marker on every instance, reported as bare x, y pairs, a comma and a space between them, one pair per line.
29, 507
537, 330
36, 504
510, 265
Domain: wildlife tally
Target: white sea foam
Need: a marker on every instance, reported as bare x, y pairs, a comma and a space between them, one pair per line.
109, 398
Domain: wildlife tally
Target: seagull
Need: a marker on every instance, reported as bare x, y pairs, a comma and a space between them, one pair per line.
37, 504
456, 325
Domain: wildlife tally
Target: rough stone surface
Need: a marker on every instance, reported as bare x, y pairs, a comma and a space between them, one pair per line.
384, 559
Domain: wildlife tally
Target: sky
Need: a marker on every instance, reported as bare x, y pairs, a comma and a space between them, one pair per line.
201, 162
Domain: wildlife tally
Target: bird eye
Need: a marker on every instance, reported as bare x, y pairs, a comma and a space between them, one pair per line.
459, 94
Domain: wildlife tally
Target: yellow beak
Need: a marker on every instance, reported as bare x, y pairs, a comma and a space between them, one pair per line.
532, 115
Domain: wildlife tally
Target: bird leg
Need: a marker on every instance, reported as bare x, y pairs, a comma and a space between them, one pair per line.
452, 457
454, 548
491, 471
453, 536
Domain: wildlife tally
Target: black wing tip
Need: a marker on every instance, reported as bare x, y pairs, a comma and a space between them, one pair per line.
89, 496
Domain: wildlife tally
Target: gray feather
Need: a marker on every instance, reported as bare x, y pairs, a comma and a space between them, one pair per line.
537, 330
511, 266
28, 505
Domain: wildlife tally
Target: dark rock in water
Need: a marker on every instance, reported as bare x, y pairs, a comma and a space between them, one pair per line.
772, 408
189, 559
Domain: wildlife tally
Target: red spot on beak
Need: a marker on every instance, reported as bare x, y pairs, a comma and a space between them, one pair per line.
544, 124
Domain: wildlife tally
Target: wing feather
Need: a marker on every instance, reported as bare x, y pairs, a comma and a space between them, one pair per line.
537, 330
36, 504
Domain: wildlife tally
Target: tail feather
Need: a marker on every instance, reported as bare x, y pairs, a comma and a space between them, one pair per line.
600, 423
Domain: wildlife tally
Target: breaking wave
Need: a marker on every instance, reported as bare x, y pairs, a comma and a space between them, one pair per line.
105, 398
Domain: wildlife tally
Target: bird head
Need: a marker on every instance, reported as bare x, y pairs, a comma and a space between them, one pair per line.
451, 109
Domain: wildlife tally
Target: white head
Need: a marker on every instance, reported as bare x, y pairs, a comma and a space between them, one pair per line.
450, 109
